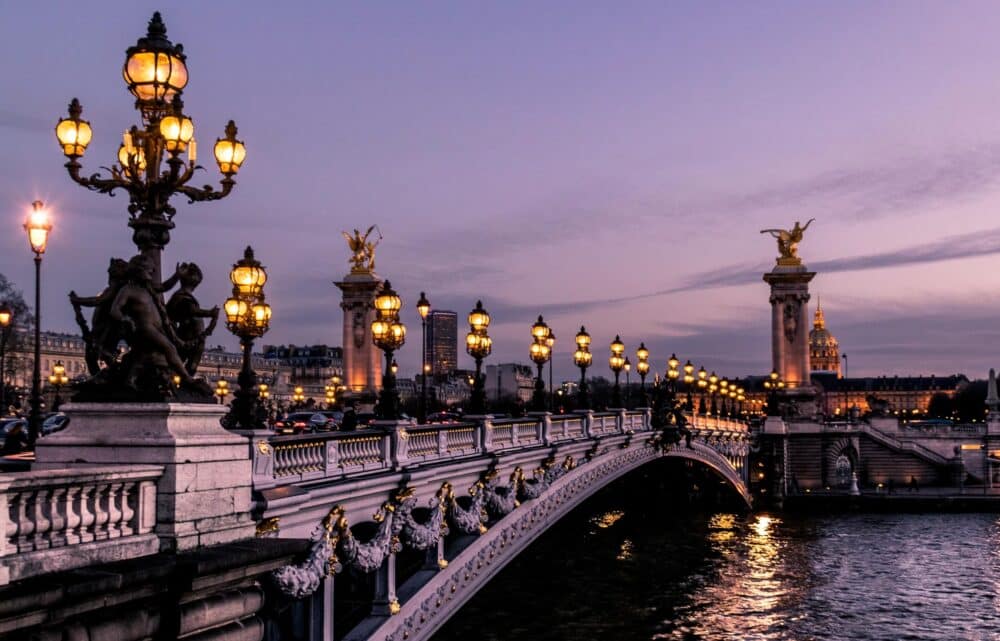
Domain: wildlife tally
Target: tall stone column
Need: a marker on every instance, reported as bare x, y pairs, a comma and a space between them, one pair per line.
362, 360
789, 281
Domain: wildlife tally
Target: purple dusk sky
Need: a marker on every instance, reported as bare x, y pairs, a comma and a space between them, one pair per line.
606, 163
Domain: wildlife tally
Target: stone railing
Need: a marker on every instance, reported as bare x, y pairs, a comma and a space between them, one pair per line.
288, 460
106, 514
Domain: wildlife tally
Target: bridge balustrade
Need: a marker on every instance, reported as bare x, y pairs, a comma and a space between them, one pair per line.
110, 511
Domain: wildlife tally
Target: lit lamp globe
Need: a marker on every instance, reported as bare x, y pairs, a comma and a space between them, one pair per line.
236, 310
155, 69
540, 331
177, 131
388, 302
73, 133
617, 347
423, 306
642, 353
38, 227
230, 152
248, 276
479, 318
583, 339
6, 315
642, 367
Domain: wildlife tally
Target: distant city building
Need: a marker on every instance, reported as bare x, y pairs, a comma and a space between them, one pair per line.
824, 350
309, 366
441, 351
509, 380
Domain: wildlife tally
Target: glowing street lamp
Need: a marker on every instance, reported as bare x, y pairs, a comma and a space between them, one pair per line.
6, 324
540, 353
388, 334
57, 379
248, 317
423, 308
643, 368
150, 165
582, 359
617, 363
38, 226
222, 390
479, 345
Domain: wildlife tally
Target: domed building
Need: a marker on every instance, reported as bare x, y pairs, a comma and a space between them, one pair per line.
824, 350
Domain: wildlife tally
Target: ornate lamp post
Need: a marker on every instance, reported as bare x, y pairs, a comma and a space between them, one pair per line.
388, 334
582, 358
298, 397
689, 384
222, 390
550, 342
6, 323
247, 317
772, 384
643, 368
713, 388
702, 385
540, 353
155, 71
423, 308
617, 363
38, 227
724, 394
479, 345
57, 379
628, 382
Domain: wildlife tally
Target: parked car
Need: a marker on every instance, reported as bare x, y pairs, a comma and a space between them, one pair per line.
299, 422
15, 435
443, 417
334, 419
54, 423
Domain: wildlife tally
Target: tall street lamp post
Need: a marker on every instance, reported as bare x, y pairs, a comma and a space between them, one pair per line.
540, 353
38, 227
643, 368
713, 388
479, 345
156, 73
388, 334
617, 363
550, 342
628, 382
423, 308
702, 385
57, 379
6, 323
772, 384
222, 390
247, 317
582, 358
689, 385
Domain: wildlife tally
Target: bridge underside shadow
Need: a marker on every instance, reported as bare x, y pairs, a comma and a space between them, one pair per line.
429, 599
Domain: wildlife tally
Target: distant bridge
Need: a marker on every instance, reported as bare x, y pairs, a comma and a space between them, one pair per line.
469, 496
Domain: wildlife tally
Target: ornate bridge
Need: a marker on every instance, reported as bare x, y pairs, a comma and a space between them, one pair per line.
468, 496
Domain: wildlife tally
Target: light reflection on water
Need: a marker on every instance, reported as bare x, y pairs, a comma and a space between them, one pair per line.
766, 577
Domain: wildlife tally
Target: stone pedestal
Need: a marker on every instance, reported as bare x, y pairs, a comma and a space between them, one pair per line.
203, 497
362, 361
790, 332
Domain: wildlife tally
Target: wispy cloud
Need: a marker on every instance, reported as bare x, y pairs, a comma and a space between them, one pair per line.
895, 188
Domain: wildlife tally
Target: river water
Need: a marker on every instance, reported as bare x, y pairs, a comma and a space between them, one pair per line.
649, 569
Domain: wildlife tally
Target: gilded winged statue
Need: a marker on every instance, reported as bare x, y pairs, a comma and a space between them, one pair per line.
362, 250
788, 241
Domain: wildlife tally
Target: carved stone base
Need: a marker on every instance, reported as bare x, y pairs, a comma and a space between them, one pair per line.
203, 497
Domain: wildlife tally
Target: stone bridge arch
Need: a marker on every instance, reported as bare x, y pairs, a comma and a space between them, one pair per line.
430, 606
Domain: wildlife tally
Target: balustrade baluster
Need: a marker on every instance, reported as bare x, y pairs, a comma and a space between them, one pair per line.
43, 521
73, 518
114, 511
57, 517
128, 503
14, 509
101, 511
